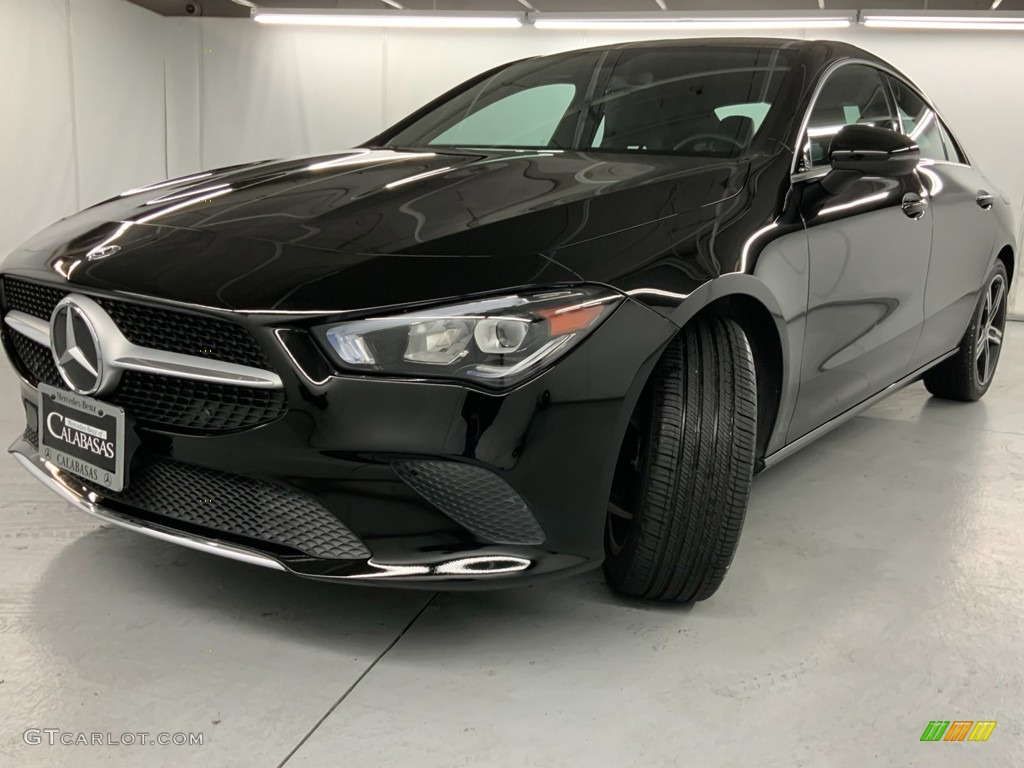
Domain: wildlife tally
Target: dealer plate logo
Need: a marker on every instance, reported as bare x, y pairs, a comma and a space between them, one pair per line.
82, 436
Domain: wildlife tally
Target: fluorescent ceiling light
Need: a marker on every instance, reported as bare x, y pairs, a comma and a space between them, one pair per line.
665, 22
945, 22
433, 20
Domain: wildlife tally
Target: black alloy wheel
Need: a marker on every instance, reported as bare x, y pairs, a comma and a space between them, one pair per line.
969, 373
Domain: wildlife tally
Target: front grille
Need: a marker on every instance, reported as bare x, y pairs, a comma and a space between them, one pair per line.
185, 333
32, 298
164, 402
36, 360
475, 498
153, 327
233, 506
196, 405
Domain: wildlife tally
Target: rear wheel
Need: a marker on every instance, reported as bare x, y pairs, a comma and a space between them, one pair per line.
684, 473
968, 374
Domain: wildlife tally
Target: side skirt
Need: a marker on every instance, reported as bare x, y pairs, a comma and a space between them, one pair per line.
828, 426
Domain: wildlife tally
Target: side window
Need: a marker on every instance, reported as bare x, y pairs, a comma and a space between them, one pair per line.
852, 94
919, 121
953, 151
524, 119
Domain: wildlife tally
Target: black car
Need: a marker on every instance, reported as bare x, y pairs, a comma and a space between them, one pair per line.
559, 316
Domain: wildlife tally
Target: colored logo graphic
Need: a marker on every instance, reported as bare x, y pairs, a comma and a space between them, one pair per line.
958, 730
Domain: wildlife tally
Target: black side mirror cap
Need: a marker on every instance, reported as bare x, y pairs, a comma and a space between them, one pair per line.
870, 151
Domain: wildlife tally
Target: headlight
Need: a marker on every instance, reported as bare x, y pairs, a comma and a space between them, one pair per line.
493, 342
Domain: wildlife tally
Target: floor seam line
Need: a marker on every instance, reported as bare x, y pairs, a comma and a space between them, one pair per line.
357, 681
940, 424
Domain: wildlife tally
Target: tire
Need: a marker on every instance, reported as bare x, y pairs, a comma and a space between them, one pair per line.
969, 373
683, 479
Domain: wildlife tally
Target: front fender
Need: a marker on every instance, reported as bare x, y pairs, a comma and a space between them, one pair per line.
759, 305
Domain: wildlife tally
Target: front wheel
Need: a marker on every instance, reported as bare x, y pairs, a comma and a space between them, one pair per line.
968, 374
684, 472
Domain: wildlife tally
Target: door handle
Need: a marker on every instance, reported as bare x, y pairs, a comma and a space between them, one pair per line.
985, 199
914, 205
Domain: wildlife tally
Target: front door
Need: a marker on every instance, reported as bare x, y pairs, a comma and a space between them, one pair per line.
869, 249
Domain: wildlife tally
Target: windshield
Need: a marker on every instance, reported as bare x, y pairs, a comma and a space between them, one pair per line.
683, 100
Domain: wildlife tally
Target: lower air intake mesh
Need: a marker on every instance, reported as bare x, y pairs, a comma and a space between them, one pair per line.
234, 505
242, 506
475, 498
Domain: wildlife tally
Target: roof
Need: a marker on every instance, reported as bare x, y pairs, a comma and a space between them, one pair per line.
829, 50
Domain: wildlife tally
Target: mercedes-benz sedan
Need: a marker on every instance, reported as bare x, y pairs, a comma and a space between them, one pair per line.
557, 318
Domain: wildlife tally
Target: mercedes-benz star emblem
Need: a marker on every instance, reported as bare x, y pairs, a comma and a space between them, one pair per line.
76, 348
102, 251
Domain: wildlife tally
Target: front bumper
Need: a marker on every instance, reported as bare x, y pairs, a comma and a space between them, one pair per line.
343, 450
484, 562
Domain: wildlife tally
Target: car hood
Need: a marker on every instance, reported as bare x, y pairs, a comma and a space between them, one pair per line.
367, 228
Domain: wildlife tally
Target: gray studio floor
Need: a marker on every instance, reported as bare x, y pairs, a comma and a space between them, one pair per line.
879, 585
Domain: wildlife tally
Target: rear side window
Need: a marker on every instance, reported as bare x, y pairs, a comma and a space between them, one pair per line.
853, 94
919, 120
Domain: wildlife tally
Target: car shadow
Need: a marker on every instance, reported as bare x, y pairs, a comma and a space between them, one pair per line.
799, 530
117, 573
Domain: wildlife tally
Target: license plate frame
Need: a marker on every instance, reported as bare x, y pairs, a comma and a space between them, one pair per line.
84, 446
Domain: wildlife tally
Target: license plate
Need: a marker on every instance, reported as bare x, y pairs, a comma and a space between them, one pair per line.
82, 436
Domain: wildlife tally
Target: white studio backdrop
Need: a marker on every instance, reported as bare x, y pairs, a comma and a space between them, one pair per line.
108, 96
83, 107
38, 180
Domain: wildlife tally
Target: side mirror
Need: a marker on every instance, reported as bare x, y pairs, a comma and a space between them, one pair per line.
864, 150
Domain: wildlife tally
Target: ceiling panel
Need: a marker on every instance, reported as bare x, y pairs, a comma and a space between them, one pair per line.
742, 5
601, 6
959, 5
375, 5
178, 7
463, 5
887, 5
229, 8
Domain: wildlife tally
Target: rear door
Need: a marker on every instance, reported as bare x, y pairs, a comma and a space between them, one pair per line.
963, 233
868, 260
